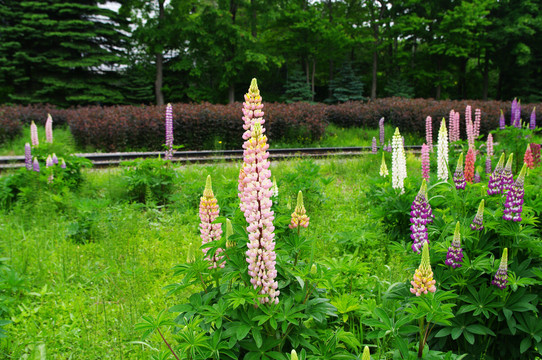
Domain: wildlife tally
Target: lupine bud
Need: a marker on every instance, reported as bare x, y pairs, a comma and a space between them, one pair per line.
366, 354
208, 212
34, 134
381, 127
55, 159
501, 276
454, 257
477, 120
49, 129
229, 232
63, 164
383, 167
293, 355
423, 277
36, 165
442, 152
513, 206
459, 176
469, 165
488, 165
169, 132
502, 123
191, 254
398, 162
314, 269
478, 221
255, 194
535, 149
489, 145
532, 123
528, 158
507, 176
495, 183
420, 216
425, 162
275, 188
28, 156
299, 216
429, 131
373, 147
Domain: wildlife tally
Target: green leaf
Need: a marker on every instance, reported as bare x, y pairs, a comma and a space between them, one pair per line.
524, 345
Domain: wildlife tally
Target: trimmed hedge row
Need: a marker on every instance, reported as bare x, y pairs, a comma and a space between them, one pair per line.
207, 126
410, 114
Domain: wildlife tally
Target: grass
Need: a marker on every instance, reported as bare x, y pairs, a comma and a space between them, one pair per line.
62, 142
90, 265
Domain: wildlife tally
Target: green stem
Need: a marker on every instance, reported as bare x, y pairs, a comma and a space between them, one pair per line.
167, 344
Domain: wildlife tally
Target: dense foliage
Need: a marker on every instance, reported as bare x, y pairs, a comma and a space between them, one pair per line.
159, 51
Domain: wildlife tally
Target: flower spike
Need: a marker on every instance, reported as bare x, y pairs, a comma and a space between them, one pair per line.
501, 276
383, 168
208, 212
299, 216
478, 221
495, 179
454, 257
459, 176
423, 276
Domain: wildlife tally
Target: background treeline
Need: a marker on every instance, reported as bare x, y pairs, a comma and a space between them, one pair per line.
71, 52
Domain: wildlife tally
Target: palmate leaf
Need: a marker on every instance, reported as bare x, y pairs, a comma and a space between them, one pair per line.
149, 324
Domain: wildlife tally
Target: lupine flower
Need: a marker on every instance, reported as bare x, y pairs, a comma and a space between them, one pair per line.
429, 131
34, 134
423, 276
494, 185
478, 221
373, 147
457, 136
229, 232
513, 206
49, 129
469, 126
489, 145
420, 216
477, 177
366, 354
488, 165
398, 162
477, 120
502, 123
63, 164
513, 112
532, 123
459, 176
451, 125
454, 256
470, 159
442, 152
501, 276
255, 195
535, 150
425, 162
28, 156
507, 176
191, 254
528, 158
36, 165
517, 123
55, 159
389, 146
381, 127
383, 167
48, 161
169, 132
299, 216
468, 114
293, 355
275, 188
208, 212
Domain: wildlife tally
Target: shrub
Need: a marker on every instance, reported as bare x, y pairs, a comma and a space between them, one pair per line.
149, 180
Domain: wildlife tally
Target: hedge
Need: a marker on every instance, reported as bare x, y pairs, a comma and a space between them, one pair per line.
208, 126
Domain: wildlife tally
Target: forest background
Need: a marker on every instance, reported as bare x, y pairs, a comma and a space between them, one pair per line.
81, 52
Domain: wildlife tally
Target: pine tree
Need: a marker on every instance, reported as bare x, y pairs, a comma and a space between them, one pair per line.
60, 52
346, 86
297, 88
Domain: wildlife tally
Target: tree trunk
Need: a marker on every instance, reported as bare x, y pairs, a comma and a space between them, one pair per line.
159, 61
231, 93
375, 66
253, 28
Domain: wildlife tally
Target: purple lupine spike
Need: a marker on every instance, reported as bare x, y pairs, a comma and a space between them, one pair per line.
421, 215
494, 185
532, 123
48, 161
502, 123
55, 159
28, 156
389, 146
477, 177
381, 127
63, 164
36, 165
513, 206
488, 165
478, 221
454, 257
513, 112
373, 147
429, 131
501, 277
459, 176
169, 132
517, 124
507, 176
425, 162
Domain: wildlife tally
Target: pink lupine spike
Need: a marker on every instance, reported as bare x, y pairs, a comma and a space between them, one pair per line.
208, 212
